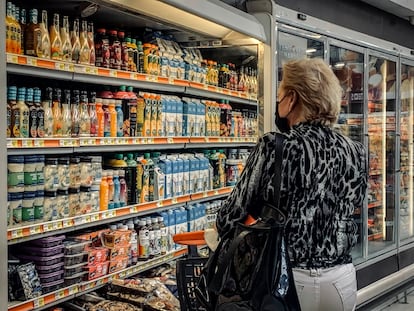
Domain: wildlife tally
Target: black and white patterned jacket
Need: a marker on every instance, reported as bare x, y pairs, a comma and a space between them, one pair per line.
324, 180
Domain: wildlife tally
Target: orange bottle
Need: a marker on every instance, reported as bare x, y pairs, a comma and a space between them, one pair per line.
100, 118
113, 118
103, 193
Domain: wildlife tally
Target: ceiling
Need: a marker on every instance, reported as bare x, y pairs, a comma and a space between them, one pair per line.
400, 8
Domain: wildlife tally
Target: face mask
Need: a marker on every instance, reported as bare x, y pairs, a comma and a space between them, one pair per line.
281, 123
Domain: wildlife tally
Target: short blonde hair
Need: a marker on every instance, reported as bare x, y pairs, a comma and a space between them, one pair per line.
318, 89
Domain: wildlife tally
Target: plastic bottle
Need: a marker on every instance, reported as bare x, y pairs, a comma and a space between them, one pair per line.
151, 237
131, 111
147, 192
119, 118
117, 189
113, 119
75, 113
66, 115
143, 239
140, 117
111, 189
222, 168
163, 236
115, 48
24, 112
132, 54
124, 50
13, 114
40, 113
48, 113
57, 112
103, 193
123, 192
93, 118
134, 243
131, 179
32, 113
99, 118
157, 236
102, 51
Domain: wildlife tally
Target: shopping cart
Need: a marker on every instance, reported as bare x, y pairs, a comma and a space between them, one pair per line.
189, 269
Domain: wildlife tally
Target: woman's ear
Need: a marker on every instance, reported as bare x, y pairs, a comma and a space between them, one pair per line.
294, 98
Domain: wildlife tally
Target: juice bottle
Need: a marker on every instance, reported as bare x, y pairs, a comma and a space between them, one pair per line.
160, 127
18, 31
117, 189
132, 54
222, 168
102, 50
113, 118
93, 118
14, 112
147, 58
131, 179
103, 192
32, 113
106, 118
99, 118
55, 40
32, 34
65, 37
24, 112
123, 192
124, 50
92, 56
110, 181
10, 34
43, 49
154, 113
40, 113
66, 115
119, 118
75, 113
143, 240
147, 114
23, 25
145, 190
140, 57
11, 101
84, 121
84, 52
75, 41
134, 243
48, 112
57, 112
140, 116
115, 50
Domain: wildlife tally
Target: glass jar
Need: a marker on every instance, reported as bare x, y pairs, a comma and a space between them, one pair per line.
16, 200
50, 205
28, 206
97, 169
74, 172
86, 171
40, 166
51, 174
63, 172
74, 201
62, 203
38, 205
15, 171
94, 197
30, 173
85, 200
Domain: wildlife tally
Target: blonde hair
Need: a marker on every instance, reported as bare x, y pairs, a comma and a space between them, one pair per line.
318, 89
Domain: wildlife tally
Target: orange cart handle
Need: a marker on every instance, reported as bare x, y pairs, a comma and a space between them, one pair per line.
190, 238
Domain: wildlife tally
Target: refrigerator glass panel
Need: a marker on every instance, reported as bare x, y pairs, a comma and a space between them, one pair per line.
406, 152
348, 66
381, 146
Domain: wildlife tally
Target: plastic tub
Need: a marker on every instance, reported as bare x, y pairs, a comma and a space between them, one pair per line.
51, 277
119, 264
49, 241
97, 270
52, 286
50, 269
74, 269
73, 247
42, 251
98, 254
116, 252
42, 261
75, 278
71, 260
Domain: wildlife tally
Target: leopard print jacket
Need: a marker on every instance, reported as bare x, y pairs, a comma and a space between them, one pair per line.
324, 179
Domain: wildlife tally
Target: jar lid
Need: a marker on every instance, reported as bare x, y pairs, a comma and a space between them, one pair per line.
29, 194
15, 159
62, 192
75, 160
51, 161
16, 196
64, 160
86, 159
31, 159
40, 193
74, 190
85, 189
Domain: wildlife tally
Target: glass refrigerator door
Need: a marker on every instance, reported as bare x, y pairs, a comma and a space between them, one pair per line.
381, 147
348, 66
406, 152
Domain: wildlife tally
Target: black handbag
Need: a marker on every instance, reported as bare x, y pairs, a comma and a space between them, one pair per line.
251, 271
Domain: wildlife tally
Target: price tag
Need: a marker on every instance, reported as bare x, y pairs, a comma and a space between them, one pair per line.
105, 215
150, 140
122, 275
99, 282
39, 143
57, 225
27, 143
18, 233
216, 192
60, 295
35, 230
59, 66
79, 221
113, 73
40, 302
206, 139
89, 286
170, 140
67, 223
65, 142
133, 209
87, 219
94, 217
205, 194
136, 141
160, 204
73, 290
48, 227
110, 278
174, 201
9, 143
143, 141
32, 61
11, 58
84, 142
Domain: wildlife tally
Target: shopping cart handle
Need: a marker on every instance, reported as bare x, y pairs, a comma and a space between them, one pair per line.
190, 238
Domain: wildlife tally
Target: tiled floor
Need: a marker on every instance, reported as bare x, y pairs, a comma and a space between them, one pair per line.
401, 303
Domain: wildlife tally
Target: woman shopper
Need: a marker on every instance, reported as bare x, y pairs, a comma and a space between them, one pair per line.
324, 179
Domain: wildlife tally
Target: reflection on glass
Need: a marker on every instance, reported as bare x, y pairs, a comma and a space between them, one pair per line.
406, 152
381, 131
296, 47
348, 66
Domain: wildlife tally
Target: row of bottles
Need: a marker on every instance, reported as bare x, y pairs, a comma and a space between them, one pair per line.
32, 113
159, 55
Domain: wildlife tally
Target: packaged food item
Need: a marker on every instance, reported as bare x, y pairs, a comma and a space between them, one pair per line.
74, 269
97, 270
30, 281
75, 278
75, 259
116, 238
118, 264
97, 254
74, 246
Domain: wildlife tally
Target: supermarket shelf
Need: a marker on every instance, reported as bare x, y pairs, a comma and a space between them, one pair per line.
21, 146
67, 293
34, 231
45, 68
